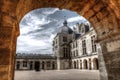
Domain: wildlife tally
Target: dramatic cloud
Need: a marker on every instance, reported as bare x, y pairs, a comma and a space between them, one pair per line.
74, 19
39, 27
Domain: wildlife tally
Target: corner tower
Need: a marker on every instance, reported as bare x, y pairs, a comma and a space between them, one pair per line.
61, 47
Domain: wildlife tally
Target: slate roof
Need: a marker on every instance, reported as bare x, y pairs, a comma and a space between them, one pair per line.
34, 56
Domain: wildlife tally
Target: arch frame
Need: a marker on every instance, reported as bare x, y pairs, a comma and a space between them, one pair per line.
103, 15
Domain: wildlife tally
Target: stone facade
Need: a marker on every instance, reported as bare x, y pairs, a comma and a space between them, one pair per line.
35, 62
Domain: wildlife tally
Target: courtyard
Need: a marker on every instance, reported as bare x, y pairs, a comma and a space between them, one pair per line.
72, 74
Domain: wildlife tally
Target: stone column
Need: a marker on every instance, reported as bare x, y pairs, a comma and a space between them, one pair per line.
40, 65
78, 64
73, 65
8, 39
58, 64
33, 64
45, 65
102, 68
88, 65
28, 64
21, 64
109, 59
82, 64
92, 66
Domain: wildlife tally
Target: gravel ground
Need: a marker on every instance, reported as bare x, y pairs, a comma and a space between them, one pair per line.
58, 75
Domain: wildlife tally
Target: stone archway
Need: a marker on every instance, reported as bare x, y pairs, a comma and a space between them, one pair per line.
85, 63
18, 65
75, 65
95, 64
53, 65
102, 14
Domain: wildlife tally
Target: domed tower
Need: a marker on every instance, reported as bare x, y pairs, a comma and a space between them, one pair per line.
65, 29
61, 47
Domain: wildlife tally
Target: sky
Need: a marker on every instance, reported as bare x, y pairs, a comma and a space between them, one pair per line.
39, 27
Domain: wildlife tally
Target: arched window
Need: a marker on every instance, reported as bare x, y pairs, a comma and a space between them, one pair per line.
85, 64
75, 65
95, 64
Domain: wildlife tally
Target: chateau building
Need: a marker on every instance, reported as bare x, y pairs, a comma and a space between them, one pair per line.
72, 49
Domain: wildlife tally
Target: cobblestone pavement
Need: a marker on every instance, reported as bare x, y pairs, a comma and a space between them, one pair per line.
58, 75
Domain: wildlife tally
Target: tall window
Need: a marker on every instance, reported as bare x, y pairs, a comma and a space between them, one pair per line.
76, 44
64, 39
18, 65
93, 44
76, 52
65, 51
84, 47
24, 63
48, 63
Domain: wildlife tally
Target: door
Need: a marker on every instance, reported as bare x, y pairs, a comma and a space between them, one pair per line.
37, 65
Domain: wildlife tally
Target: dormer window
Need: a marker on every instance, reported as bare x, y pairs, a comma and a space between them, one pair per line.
82, 29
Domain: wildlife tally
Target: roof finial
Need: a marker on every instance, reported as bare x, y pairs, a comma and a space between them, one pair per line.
65, 23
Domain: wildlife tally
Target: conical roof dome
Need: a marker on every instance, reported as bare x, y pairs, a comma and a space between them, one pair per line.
65, 29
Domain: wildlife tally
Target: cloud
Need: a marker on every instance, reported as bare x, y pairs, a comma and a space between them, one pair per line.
51, 11
39, 27
72, 19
